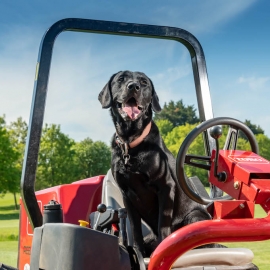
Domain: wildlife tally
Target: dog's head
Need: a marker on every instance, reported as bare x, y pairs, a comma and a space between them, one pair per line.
130, 95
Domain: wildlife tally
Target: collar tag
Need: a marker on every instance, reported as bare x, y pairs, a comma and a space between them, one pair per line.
124, 146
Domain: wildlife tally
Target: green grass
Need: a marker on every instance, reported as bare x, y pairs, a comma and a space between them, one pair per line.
7, 207
9, 252
9, 230
261, 252
9, 218
9, 226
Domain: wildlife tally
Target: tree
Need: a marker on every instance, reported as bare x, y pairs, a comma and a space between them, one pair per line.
56, 163
9, 173
255, 129
264, 145
92, 158
164, 126
18, 132
177, 113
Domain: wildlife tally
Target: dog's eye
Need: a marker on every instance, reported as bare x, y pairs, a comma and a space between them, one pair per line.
144, 82
121, 79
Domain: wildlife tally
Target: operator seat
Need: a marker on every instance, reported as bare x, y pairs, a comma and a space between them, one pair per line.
197, 259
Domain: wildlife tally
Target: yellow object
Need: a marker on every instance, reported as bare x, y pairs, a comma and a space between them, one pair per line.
37, 69
83, 223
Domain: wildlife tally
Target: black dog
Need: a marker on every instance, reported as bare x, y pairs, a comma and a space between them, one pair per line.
142, 165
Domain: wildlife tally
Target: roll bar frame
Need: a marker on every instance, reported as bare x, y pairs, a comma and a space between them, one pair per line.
42, 78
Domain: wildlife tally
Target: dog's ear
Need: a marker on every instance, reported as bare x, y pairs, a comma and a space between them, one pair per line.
155, 100
105, 96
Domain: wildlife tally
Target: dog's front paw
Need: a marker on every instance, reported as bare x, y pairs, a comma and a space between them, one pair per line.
150, 244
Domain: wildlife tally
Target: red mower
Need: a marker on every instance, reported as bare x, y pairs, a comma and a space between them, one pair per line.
83, 225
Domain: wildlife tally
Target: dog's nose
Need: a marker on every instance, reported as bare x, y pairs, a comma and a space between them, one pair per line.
133, 85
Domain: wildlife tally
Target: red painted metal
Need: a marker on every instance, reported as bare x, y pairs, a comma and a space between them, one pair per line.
204, 232
233, 209
245, 168
248, 181
78, 200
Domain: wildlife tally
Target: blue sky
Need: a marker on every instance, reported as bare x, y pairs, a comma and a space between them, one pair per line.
235, 36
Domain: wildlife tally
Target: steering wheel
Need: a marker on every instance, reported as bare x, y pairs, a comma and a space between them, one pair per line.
231, 140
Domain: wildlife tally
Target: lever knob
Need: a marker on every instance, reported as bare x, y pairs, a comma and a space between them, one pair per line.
216, 132
101, 208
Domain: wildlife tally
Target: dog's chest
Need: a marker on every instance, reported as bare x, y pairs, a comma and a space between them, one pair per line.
139, 190
139, 163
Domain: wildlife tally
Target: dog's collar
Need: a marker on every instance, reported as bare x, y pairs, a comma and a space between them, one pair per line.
124, 146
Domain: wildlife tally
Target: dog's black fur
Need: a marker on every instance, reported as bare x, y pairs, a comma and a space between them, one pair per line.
148, 181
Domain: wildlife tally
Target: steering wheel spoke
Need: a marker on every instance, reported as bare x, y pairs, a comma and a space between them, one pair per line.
231, 139
197, 161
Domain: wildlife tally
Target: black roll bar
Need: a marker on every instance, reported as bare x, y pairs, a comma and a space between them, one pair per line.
41, 86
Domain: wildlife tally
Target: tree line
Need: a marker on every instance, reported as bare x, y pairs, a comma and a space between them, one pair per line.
60, 160
63, 160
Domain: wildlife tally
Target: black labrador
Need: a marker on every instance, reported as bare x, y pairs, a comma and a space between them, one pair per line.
142, 165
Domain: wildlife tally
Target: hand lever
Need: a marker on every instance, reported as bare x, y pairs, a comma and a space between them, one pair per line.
215, 133
101, 208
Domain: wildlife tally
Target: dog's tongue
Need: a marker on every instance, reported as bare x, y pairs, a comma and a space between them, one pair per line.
131, 111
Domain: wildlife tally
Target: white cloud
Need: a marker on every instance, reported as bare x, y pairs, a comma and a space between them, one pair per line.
175, 83
254, 83
238, 99
199, 16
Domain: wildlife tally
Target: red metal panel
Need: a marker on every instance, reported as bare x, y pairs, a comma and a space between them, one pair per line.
225, 165
247, 163
233, 209
241, 167
248, 192
78, 200
263, 187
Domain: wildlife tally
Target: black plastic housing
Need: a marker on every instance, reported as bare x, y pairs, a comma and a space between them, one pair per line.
62, 246
106, 219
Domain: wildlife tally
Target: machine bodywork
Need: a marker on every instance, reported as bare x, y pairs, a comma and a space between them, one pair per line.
247, 182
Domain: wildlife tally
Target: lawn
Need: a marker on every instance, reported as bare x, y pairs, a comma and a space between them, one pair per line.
261, 252
9, 218
9, 230
9, 224
9, 252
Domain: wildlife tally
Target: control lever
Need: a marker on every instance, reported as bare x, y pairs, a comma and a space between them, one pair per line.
101, 208
122, 214
216, 133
